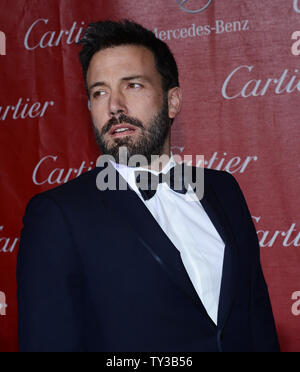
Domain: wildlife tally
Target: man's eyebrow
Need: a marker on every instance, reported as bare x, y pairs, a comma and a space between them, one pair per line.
136, 77
97, 84
126, 78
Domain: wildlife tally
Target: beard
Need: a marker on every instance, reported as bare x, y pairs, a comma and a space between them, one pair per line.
149, 143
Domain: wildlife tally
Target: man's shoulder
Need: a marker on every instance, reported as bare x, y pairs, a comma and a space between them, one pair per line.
222, 182
215, 174
76, 200
225, 186
218, 177
77, 189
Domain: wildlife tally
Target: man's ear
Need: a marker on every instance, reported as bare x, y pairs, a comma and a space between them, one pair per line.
89, 105
175, 101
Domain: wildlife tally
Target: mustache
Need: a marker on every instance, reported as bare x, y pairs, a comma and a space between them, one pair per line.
122, 118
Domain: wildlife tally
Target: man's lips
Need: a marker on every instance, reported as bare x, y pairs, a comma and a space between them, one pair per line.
131, 130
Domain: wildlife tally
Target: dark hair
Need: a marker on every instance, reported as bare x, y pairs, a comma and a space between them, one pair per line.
106, 34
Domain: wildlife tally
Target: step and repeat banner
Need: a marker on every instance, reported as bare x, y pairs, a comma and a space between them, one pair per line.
239, 65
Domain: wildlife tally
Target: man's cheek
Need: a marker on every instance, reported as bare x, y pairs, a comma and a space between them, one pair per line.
97, 124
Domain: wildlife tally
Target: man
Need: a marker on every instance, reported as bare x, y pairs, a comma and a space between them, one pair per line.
137, 269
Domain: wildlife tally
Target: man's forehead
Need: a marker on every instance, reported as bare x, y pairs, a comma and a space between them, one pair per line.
126, 50
125, 56
123, 61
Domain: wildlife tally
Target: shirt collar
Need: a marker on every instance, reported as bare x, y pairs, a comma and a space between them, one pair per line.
128, 173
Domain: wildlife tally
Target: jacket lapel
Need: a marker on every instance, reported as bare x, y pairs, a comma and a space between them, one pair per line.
217, 215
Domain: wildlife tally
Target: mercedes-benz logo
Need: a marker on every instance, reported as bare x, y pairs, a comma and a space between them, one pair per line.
184, 6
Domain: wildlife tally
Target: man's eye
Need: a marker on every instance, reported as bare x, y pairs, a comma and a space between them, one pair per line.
98, 93
134, 85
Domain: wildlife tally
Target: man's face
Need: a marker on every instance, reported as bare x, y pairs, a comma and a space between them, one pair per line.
126, 93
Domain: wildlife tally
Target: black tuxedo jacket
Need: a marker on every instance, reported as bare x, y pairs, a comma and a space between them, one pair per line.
97, 273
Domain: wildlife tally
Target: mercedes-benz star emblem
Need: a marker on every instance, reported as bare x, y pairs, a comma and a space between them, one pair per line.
184, 6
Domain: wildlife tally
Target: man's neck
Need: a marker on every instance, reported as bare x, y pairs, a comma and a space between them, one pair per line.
159, 162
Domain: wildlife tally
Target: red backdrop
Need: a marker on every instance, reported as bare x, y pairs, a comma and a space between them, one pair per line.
239, 70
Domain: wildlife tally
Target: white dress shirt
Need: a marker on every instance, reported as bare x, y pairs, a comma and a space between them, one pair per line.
187, 225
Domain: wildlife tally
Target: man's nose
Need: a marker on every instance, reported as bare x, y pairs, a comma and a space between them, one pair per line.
117, 103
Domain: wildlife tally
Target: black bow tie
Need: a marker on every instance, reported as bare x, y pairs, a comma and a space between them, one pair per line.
147, 182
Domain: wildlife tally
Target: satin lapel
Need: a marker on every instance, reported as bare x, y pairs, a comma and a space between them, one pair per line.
129, 208
220, 220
